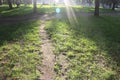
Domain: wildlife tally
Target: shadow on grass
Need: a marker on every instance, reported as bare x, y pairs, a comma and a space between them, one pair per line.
105, 32
19, 45
25, 10
14, 32
5, 12
3, 8
101, 32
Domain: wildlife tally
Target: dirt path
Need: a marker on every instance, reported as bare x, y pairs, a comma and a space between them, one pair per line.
48, 61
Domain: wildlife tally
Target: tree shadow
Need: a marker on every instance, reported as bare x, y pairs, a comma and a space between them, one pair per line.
14, 32
5, 12
104, 31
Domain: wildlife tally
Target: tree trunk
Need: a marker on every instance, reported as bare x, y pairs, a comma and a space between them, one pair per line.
18, 4
113, 6
35, 6
0, 2
10, 4
97, 4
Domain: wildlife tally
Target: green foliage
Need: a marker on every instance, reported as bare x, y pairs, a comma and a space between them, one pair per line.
92, 46
19, 50
57, 68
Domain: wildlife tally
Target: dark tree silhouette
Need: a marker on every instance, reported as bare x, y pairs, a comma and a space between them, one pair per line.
0, 2
10, 4
114, 2
18, 2
35, 6
97, 4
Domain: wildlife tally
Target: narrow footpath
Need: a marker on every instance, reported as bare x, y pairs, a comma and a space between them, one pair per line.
48, 60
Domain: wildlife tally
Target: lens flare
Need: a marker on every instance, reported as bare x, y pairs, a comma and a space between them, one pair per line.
58, 10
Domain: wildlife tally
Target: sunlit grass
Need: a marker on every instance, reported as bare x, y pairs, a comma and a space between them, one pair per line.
20, 51
25, 10
92, 46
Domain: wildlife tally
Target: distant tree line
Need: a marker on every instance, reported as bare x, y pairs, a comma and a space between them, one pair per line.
17, 2
111, 3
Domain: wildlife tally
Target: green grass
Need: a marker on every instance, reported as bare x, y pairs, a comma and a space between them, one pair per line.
89, 9
20, 51
92, 46
25, 10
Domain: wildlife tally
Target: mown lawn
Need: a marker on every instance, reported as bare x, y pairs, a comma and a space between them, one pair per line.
92, 46
20, 51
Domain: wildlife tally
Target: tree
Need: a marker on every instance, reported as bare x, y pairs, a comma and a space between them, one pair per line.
35, 6
97, 4
114, 2
89, 2
10, 4
18, 2
0, 2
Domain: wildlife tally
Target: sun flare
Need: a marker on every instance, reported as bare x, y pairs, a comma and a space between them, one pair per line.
70, 13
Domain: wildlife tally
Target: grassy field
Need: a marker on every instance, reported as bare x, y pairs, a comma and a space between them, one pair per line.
92, 46
24, 10
20, 51
5, 11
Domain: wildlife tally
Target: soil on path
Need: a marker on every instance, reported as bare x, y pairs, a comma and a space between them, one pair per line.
48, 61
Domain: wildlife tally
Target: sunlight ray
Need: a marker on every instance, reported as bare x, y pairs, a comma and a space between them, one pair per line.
70, 13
